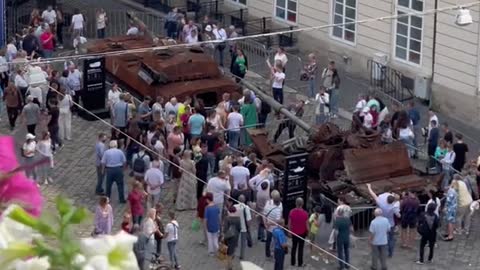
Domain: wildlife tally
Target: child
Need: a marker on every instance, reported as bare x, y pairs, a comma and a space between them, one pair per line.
136, 199
78, 42
127, 222
196, 149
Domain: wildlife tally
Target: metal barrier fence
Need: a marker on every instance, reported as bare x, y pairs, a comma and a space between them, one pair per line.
117, 22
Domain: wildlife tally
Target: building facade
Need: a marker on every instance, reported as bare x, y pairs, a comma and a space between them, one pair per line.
429, 49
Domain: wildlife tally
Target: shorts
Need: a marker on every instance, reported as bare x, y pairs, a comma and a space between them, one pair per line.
408, 223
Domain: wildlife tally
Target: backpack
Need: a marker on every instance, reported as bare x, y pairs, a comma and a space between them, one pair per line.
139, 164
423, 228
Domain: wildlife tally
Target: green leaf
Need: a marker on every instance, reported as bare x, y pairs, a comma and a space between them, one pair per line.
44, 228
63, 205
21, 216
79, 215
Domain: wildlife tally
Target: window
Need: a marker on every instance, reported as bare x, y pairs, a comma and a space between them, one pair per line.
286, 10
344, 11
408, 36
242, 2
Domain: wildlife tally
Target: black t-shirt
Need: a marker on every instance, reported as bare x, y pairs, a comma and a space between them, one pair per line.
202, 168
460, 150
30, 44
448, 137
210, 139
54, 113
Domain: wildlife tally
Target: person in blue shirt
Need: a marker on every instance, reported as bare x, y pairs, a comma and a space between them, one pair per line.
280, 240
113, 163
212, 223
379, 230
196, 124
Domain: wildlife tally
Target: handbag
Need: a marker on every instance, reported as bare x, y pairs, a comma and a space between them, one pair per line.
304, 76
230, 233
222, 251
195, 225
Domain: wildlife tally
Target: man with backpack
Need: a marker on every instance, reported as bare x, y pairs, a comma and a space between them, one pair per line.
427, 228
140, 164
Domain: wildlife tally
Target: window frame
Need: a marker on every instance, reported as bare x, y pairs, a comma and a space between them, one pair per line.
399, 8
285, 8
332, 21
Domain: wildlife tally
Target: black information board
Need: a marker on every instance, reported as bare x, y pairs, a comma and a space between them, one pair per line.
295, 181
94, 77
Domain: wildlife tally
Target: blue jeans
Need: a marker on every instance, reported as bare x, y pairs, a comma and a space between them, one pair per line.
343, 253
100, 178
233, 137
47, 53
101, 33
211, 163
115, 175
311, 88
278, 94
391, 242
334, 95
279, 258
173, 252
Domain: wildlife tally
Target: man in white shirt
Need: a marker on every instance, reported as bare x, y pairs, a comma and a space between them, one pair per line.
20, 82
220, 34
78, 23
245, 217
49, 16
219, 187
272, 214
154, 180
234, 122
239, 175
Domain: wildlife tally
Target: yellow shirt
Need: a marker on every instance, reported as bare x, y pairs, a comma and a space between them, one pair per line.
180, 112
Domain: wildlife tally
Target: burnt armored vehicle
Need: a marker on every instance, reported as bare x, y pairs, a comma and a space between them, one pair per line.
176, 71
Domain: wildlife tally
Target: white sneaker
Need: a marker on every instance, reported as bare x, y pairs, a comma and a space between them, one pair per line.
45, 182
315, 258
326, 261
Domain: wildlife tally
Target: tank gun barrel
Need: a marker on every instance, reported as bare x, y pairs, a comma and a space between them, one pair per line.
279, 107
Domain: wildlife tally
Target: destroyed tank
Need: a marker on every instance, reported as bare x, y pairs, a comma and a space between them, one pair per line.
179, 72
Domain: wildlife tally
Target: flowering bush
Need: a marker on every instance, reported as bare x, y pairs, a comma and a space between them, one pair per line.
30, 240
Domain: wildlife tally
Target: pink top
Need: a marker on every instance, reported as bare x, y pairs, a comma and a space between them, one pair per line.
298, 221
173, 141
135, 198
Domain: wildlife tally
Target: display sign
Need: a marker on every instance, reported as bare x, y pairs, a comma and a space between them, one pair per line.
295, 181
93, 97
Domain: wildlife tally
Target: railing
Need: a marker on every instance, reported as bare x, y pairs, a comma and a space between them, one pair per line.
160, 5
235, 18
201, 9
258, 26
389, 81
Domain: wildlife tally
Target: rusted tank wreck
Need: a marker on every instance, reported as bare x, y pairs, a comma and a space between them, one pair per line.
341, 162
178, 72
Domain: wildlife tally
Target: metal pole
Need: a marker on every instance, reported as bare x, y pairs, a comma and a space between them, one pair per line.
278, 107
241, 15
264, 24
291, 37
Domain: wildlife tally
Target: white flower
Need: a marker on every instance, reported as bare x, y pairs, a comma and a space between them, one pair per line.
30, 264
109, 252
12, 231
